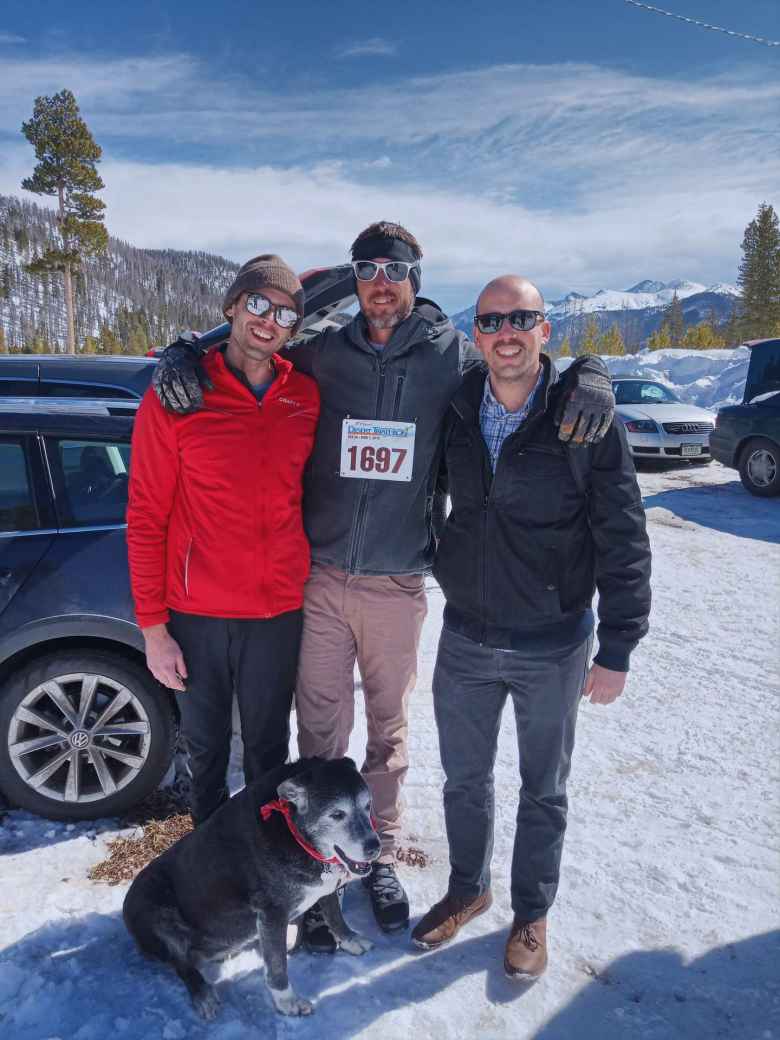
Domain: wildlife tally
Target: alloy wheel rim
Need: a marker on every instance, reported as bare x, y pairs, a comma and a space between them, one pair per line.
761, 467
79, 737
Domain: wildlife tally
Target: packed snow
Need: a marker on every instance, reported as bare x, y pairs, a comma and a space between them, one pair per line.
667, 922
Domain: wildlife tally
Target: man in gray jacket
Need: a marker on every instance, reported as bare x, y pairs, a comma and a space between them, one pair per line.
385, 381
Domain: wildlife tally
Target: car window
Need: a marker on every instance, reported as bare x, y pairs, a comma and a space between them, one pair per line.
17, 506
95, 481
50, 388
634, 391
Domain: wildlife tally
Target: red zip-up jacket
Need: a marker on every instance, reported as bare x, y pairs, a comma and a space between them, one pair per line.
214, 520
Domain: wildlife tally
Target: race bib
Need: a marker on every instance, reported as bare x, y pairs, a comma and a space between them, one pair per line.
375, 449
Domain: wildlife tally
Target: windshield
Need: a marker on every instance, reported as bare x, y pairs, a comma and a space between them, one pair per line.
638, 391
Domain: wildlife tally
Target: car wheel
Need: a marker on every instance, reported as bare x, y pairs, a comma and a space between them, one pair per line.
759, 467
83, 735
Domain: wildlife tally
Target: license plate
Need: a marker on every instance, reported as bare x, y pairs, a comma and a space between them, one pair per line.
690, 449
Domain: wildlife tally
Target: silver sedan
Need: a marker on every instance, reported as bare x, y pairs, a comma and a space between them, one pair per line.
658, 424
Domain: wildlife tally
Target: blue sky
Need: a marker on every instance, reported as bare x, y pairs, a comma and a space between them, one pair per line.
586, 145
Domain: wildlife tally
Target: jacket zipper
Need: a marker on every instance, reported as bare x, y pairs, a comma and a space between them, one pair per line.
398, 391
187, 569
360, 517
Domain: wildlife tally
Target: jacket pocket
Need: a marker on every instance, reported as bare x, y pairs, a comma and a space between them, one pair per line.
408, 582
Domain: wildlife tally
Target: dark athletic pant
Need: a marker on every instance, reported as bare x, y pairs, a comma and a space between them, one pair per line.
470, 687
254, 658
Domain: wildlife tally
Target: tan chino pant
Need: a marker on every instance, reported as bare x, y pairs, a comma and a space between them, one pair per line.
376, 621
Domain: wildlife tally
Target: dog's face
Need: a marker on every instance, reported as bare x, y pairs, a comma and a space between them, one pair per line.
332, 810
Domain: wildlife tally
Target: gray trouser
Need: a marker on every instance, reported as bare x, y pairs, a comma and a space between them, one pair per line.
470, 686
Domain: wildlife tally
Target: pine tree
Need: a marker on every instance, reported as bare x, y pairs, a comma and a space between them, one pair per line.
612, 342
67, 156
108, 342
702, 337
591, 337
3, 344
662, 337
759, 275
565, 348
673, 316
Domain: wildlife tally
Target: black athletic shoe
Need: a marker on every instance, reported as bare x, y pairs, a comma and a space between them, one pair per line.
390, 903
316, 937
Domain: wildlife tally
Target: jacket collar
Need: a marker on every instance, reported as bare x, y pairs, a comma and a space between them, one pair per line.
224, 380
468, 398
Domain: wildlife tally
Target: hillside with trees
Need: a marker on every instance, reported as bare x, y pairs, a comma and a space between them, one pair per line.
125, 299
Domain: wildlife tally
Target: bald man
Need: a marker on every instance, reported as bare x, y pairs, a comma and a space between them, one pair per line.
535, 528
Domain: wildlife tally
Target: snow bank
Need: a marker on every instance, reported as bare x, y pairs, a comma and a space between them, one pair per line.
707, 378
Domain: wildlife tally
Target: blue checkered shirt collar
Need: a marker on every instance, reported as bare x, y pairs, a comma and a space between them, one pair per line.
497, 423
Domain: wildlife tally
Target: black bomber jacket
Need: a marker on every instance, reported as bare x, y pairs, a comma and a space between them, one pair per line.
524, 550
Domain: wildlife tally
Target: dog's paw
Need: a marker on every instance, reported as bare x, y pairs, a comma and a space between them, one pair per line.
206, 1003
287, 1002
356, 945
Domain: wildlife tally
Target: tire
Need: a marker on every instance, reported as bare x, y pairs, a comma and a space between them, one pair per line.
759, 467
103, 718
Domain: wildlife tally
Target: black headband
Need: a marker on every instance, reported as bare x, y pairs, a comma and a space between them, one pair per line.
383, 245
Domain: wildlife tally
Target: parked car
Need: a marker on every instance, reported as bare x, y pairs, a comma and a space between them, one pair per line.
85, 730
747, 435
658, 424
116, 382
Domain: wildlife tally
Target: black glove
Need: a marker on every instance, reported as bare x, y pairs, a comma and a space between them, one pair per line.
586, 402
179, 378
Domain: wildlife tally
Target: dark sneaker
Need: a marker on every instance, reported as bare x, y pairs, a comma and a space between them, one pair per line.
316, 937
525, 957
388, 899
446, 918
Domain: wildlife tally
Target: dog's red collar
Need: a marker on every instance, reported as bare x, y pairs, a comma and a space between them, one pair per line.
281, 805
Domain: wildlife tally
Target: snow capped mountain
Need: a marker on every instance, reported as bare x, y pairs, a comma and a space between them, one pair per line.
642, 296
637, 311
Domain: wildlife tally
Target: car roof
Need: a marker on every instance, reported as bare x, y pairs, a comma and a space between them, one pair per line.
127, 372
115, 427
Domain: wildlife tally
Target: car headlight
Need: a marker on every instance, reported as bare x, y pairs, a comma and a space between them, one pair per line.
641, 426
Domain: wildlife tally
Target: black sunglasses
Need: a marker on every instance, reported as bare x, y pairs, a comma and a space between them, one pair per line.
523, 321
257, 304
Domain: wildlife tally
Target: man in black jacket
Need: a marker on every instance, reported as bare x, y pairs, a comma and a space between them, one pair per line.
536, 527
385, 380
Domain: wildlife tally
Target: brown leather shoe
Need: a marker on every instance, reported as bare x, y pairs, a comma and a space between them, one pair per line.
446, 918
526, 950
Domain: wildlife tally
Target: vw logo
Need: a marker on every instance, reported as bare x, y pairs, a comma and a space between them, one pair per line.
79, 739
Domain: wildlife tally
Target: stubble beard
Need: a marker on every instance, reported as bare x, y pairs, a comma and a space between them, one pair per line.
389, 321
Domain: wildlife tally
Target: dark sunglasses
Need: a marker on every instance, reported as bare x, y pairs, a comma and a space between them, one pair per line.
523, 321
394, 270
257, 304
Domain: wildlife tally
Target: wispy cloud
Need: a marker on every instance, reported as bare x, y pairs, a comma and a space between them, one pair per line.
11, 38
376, 47
579, 175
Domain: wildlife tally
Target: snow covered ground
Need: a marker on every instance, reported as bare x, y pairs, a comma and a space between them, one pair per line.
667, 923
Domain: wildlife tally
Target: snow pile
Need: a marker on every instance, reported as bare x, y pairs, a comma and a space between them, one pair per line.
706, 378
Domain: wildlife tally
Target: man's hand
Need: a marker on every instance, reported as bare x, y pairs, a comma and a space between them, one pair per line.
587, 402
602, 685
179, 377
164, 658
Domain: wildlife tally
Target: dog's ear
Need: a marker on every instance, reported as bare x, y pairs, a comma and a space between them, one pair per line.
294, 792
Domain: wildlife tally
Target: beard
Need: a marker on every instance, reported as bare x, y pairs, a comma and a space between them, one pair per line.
389, 321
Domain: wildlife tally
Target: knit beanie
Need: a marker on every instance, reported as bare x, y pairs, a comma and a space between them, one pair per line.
267, 271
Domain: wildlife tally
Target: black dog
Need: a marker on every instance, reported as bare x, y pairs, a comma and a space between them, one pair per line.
262, 859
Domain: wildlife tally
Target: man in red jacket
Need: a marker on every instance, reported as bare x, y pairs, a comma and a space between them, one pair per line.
218, 555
